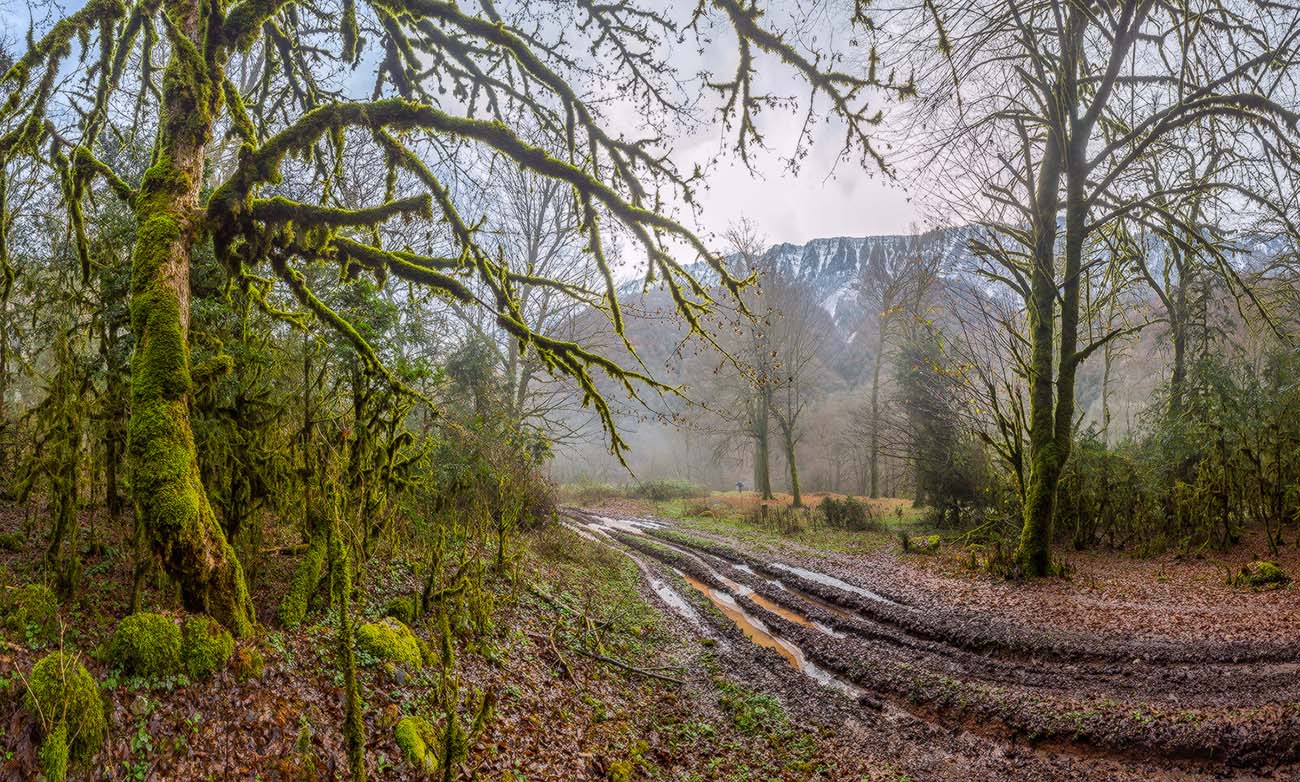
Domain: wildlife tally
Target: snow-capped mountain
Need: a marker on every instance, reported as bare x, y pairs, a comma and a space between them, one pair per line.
831, 268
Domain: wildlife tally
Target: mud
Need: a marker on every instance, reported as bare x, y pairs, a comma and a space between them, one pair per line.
1176, 710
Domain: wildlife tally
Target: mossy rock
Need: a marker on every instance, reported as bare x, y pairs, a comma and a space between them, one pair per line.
402, 608
206, 646
64, 699
926, 544
389, 641
11, 541
417, 738
146, 644
34, 609
1262, 574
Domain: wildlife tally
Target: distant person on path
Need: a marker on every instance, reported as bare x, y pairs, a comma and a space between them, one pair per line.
740, 486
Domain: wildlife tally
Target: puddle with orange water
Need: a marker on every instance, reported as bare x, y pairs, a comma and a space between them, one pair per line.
758, 633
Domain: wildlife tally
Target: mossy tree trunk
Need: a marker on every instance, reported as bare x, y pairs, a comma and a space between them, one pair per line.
1034, 554
354, 730
173, 507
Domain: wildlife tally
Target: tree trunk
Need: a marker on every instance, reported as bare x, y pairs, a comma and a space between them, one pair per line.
168, 491
1178, 331
796, 500
874, 446
1034, 552
762, 445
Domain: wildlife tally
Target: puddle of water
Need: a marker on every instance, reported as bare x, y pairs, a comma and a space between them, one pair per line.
674, 600
753, 629
740, 590
635, 526
782, 611
622, 525
758, 633
832, 581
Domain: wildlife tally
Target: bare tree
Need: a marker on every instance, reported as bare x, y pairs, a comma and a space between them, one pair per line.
1053, 105
892, 292
798, 329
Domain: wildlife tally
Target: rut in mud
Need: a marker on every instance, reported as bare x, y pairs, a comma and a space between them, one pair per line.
1221, 704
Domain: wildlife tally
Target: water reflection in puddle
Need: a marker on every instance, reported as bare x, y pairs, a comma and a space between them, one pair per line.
757, 632
832, 581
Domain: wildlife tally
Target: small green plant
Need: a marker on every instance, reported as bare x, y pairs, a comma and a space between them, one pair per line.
33, 610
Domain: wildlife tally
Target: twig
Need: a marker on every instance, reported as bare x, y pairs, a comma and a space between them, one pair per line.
563, 662
620, 664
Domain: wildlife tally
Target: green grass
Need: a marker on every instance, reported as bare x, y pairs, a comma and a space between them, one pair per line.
589, 578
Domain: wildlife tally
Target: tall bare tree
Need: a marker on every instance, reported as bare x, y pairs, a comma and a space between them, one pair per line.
1052, 106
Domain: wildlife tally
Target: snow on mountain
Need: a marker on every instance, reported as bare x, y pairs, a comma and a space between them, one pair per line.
831, 268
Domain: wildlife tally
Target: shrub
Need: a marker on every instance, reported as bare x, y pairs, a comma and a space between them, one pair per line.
705, 508
785, 520
416, 738
64, 699
146, 644
665, 490
592, 493
389, 641
11, 541
206, 646
33, 609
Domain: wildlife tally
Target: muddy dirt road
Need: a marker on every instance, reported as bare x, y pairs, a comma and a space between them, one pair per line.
952, 692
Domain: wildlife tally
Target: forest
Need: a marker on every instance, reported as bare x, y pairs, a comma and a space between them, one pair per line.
887, 390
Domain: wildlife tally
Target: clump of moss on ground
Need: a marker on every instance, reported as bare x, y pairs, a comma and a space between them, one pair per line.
64, 699
403, 608
33, 609
417, 738
921, 544
249, 663
389, 640
1261, 575
206, 646
146, 644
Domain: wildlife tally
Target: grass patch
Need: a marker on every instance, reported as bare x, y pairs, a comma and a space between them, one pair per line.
588, 578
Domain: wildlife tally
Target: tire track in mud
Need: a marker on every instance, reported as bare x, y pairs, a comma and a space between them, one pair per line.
1075, 694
